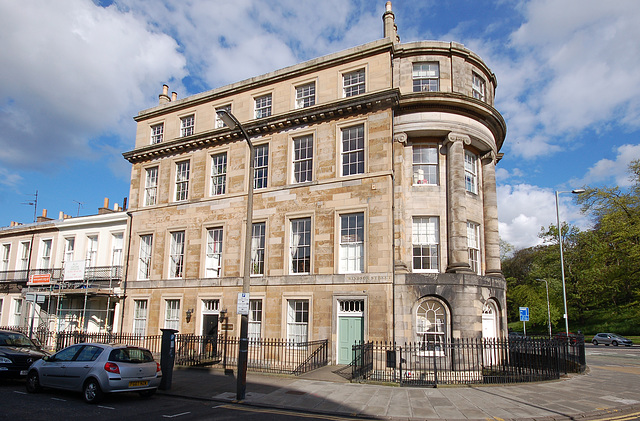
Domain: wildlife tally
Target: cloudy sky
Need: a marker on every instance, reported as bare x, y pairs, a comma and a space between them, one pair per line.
74, 73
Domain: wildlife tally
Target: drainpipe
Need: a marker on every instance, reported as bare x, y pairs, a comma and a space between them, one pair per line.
126, 272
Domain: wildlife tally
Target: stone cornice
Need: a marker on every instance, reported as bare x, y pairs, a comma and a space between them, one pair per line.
264, 126
458, 104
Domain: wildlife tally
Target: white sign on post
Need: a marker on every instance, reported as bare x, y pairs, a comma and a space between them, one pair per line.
243, 303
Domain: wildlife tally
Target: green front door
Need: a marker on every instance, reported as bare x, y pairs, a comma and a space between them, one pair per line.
350, 331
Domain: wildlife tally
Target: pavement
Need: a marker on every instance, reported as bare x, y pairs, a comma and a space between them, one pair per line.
600, 393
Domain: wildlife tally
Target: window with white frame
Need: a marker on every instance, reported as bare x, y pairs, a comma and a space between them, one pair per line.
182, 181
352, 243
297, 321
431, 326
473, 243
255, 319
151, 186
144, 262
157, 133
69, 247
6, 253
263, 106
45, 254
300, 246
176, 255
210, 306
17, 311
303, 159
261, 166
353, 150
352, 307
218, 174
306, 95
140, 317
187, 125
219, 123
25, 248
213, 260
116, 249
172, 314
470, 172
479, 88
426, 243
258, 234
353, 83
425, 165
92, 251
1, 302
426, 77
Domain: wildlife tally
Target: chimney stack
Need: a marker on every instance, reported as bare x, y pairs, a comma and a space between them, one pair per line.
163, 98
105, 208
390, 28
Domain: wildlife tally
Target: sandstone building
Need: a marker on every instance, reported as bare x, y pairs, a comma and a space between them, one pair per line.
375, 211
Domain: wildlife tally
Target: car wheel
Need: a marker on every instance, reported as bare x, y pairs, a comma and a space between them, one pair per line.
33, 382
91, 391
147, 393
614, 343
595, 342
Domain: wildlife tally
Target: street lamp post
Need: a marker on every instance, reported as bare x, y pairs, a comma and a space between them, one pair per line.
241, 388
548, 305
564, 288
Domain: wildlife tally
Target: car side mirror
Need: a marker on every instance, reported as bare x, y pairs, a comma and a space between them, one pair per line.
48, 358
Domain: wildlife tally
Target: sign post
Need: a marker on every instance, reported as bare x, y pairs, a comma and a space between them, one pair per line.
524, 318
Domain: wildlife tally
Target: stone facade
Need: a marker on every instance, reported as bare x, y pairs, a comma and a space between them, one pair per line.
355, 265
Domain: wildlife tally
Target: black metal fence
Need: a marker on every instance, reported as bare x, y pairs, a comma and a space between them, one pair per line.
467, 361
265, 355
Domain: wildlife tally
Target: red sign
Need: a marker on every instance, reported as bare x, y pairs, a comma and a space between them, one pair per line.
40, 279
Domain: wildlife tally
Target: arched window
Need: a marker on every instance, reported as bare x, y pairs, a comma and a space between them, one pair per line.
489, 320
431, 325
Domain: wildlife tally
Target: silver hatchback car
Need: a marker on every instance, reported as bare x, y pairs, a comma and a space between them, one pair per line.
611, 338
95, 369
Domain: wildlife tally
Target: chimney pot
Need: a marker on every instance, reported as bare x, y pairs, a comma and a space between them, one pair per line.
174, 96
116, 207
44, 213
163, 98
106, 202
61, 215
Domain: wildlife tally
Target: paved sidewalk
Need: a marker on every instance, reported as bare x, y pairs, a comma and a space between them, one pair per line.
601, 390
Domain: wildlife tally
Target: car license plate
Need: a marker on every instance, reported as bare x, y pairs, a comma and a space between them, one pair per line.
23, 372
138, 383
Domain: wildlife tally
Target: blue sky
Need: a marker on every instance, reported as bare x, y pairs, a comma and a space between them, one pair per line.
74, 73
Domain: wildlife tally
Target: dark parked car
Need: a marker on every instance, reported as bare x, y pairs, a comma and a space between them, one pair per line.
17, 353
95, 369
611, 339
572, 338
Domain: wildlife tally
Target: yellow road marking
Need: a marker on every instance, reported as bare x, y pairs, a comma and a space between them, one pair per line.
285, 412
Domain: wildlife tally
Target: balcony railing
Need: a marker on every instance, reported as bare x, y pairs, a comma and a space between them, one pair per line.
96, 273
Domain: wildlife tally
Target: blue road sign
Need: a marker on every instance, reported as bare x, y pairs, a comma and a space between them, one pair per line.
524, 314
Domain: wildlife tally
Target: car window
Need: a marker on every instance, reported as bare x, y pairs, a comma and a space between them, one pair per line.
132, 355
14, 339
89, 353
67, 354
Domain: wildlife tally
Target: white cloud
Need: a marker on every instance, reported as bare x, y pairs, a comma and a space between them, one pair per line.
524, 209
70, 74
9, 179
571, 66
612, 171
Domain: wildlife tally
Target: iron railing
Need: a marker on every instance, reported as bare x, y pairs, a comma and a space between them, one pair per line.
467, 361
265, 355
90, 273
